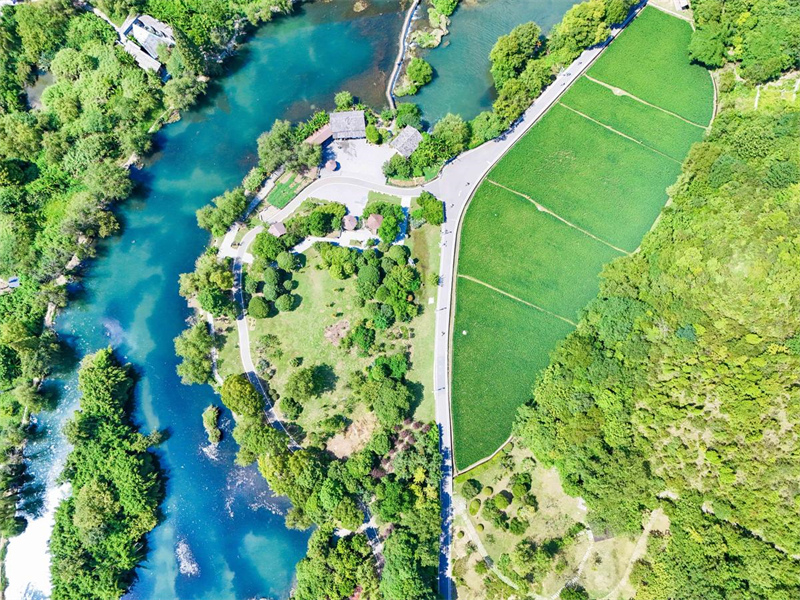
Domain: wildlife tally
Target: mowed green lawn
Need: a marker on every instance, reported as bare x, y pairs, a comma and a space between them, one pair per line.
509, 244
633, 118
600, 181
650, 60
495, 365
592, 177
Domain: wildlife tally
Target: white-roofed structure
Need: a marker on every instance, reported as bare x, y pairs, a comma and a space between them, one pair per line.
143, 59
406, 141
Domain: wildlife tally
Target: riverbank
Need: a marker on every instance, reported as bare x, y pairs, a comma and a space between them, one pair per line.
128, 299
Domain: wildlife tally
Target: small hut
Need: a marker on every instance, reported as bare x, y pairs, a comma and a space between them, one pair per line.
374, 222
349, 223
406, 141
277, 229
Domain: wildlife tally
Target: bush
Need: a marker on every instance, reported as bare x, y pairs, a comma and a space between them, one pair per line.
480, 527
474, 507
501, 501
574, 592
291, 408
373, 135
408, 114
258, 308
471, 488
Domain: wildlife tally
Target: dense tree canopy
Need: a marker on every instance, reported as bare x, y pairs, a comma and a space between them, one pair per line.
99, 530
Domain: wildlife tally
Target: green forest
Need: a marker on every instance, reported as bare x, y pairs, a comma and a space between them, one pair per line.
98, 538
678, 388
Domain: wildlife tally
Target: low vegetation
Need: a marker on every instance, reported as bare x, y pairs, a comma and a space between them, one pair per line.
564, 185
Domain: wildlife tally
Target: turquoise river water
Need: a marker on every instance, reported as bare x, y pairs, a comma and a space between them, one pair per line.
223, 536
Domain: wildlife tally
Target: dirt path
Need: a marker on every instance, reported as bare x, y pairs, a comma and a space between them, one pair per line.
638, 552
544, 209
525, 302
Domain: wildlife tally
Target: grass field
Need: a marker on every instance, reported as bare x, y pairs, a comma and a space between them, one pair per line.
650, 60
603, 175
633, 118
560, 264
494, 365
590, 176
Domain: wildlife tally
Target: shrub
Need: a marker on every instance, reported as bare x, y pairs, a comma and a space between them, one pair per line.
258, 308
480, 527
432, 208
574, 592
474, 507
480, 566
373, 135
501, 501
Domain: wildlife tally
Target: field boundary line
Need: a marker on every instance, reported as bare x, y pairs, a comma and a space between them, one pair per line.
544, 209
505, 293
645, 102
625, 135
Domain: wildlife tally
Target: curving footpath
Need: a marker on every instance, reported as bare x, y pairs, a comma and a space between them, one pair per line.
455, 186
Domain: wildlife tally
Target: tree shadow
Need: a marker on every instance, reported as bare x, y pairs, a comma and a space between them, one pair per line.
326, 378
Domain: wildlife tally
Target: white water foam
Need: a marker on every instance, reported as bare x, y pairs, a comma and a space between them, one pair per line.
186, 562
28, 558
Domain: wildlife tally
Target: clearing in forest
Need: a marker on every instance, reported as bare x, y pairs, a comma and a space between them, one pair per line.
582, 187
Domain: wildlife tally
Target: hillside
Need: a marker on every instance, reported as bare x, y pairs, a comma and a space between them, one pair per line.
679, 386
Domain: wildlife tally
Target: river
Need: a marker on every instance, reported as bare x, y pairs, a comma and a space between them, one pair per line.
222, 536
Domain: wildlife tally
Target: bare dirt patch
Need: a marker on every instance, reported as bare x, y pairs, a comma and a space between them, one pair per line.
337, 332
354, 437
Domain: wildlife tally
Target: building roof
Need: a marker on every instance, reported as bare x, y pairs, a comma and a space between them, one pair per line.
374, 222
349, 124
320, 136
406, 141
682, 4
158, 27
143, 59
277, 229
349, 222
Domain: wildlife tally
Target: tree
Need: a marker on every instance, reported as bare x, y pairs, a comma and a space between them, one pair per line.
267, 246
511, 52
226, 210
194, 346
373, 135
258, 308
286, 261
419, 72
239, 395
432, 208
486, 126
303, 384
285, 303
471, 488
408, 114
454, 132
